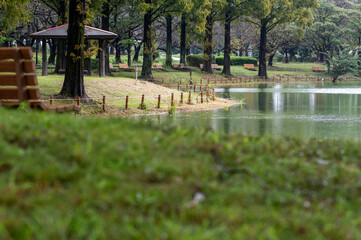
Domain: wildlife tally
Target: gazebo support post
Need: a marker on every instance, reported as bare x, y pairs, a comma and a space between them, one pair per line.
101, 59
45, 59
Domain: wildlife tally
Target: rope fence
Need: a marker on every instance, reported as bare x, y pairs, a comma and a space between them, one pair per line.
142, 101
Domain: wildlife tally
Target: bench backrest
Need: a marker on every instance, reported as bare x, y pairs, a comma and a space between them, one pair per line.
158, 65
318, 68
175, 65
181, 65
214, 65
17, 76
248, 65
123, 65
111, 67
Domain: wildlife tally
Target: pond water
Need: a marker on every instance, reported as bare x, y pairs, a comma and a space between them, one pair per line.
313, 110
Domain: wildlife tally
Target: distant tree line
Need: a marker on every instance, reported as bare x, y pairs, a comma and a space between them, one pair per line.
292, 29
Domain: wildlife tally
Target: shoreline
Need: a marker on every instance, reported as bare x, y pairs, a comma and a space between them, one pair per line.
219, 103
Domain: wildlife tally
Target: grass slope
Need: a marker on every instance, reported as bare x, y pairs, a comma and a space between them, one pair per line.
66, 177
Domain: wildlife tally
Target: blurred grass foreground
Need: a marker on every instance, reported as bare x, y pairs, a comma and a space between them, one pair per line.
66, 177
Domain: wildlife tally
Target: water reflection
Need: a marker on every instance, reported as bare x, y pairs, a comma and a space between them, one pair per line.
284, 110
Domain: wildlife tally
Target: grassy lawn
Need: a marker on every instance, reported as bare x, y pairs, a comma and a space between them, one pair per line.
70, 177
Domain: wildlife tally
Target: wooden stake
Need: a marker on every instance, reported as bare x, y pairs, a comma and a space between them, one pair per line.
189, 97
181, 100
126, 102
194, 87
214, 95
201, 96
172, 100
142, 102
51, 100
158, 101
78, 102
103, 103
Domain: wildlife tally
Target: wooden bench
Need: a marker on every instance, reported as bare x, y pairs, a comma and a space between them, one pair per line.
157, 67
215, 66
111, 67
19, 82
318, 69
250, 67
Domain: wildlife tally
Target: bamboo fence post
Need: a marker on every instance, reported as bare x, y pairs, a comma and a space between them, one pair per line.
126, 102
142, 102
78, 101
158, 101
181, 98
189, 97
172, 100
201, 96
103, 103
51, 100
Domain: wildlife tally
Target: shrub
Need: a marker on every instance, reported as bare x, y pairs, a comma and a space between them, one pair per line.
237, 60
194, 60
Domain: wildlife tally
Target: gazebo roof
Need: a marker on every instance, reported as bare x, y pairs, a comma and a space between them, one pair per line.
61, 32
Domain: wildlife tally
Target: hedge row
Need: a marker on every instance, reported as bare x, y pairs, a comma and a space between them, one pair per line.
237, 60
194, 60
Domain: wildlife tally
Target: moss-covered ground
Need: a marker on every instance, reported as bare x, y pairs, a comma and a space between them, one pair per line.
69, 177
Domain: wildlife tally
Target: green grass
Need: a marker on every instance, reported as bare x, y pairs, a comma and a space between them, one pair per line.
69, 177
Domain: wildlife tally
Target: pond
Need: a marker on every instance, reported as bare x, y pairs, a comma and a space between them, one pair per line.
312, 110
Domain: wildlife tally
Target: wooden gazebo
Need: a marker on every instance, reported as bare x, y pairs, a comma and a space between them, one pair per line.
61, 32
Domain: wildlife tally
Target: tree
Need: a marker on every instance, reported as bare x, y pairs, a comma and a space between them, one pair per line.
345, 61
73, 85
232, 10
214, 15
328, 29
12, 13
267, 14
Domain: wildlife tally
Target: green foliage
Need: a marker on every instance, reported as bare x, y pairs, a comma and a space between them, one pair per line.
143, 106
194, 60
237, 60
344, 62
12, 13
66, 177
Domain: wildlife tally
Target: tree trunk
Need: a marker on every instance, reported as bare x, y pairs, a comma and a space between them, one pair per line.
270, 60
147, 47
118, 57
106, 26
129, 52
87, 60
52, 44
208, 45
168, 60
262, 70
136, 52
322, 58
287, 60
227, 47
183, 39
73, 85
60, 56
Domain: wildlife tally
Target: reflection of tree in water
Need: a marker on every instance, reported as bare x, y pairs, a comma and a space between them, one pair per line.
226, 121
226, 94
262, 98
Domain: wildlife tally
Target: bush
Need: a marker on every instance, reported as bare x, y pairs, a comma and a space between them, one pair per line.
237, 60
194, 60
